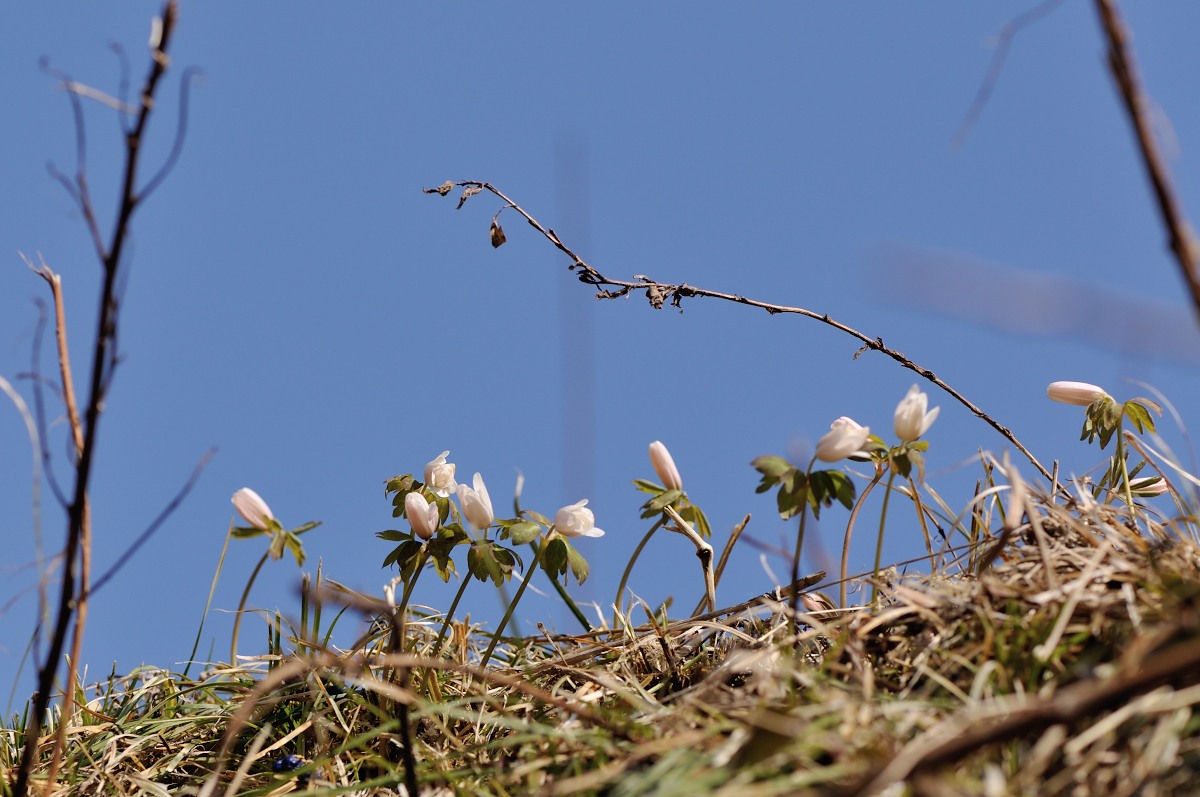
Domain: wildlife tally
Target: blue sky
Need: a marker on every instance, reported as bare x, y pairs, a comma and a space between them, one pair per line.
293, 298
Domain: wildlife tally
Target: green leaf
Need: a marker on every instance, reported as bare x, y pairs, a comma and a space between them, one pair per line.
578, 565
488, 561
398, 484
693, 515
524, 532
293, 544
391, 535
647, 487
660, 502
1140, 415
536, 518
246, 532
554, 557
773, 466
306, 527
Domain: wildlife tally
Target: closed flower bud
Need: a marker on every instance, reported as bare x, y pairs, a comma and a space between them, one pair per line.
439, 475
845, 438
1080, 393
912, 420
476, 505
422, 516
664, 466
1149, 486
251, 507
577, 520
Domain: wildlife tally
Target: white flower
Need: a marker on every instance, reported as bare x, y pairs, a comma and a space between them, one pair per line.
664, 466
577, 520
845, 438
476, 504
1080, 393
439, 475
912, 420
251, 506
422, 516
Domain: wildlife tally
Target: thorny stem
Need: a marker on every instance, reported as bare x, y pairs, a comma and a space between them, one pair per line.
659, 293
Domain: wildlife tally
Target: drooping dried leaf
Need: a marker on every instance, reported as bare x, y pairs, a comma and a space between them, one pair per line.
467, 193
497, 235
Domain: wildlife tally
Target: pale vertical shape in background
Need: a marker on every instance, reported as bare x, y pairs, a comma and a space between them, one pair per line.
572, 216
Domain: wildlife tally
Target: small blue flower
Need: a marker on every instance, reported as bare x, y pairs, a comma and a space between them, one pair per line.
288, 763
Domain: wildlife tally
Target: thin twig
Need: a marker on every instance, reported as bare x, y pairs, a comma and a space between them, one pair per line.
1120, 60
659, 293
103, 363
1003, 41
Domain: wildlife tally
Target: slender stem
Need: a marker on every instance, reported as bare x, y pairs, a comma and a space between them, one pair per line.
561, 589
437, 645
487, 654
629, 568
400, 611
796, 570
887, 493
880, 469
237, 618
208, 603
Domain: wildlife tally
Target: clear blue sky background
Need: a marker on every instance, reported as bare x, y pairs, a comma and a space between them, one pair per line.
293, 299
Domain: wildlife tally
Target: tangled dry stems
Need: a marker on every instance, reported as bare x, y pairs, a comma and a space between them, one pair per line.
1069, 666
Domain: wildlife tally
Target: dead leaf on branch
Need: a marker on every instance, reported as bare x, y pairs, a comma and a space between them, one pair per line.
441, 190
467, 193
497, 235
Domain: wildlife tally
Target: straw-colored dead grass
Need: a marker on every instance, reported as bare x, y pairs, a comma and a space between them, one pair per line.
1070, 666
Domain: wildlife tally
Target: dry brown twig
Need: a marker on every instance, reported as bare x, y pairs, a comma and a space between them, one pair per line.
1182, 241
73, 592
660, 293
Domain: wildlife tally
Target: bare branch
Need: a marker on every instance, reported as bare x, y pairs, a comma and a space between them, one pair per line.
659, 293
1182, 241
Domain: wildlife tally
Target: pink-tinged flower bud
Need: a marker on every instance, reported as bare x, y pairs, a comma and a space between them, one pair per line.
664, 466
422, 516
577, 520
251, 507
911, 419
845, 438
1149, 486
1080, 393
439, 475
476, 505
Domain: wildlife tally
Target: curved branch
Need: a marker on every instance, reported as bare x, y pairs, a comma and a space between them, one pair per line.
658, 293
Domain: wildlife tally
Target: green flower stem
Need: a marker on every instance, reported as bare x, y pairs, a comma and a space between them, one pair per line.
916, 498
629, 568
561, 589
437, 645
1120, 455
887, 494
208, 604
237, 618
880, 469
400, 611
487, 654
796, 571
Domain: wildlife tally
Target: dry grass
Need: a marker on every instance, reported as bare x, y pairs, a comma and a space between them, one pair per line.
1071, 665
